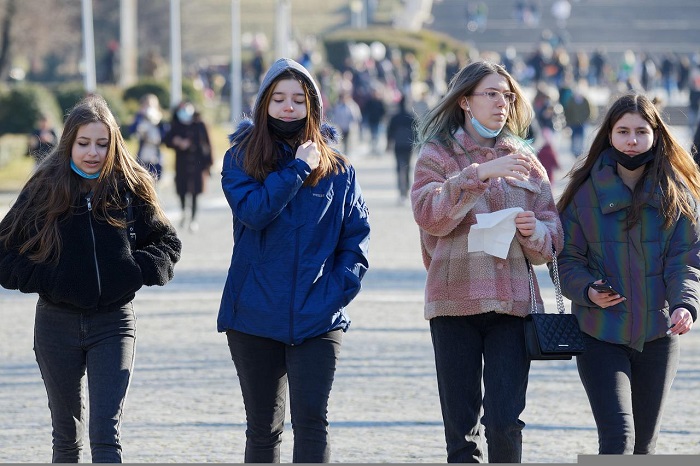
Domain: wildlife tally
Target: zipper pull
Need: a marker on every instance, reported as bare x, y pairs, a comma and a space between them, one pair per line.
89, 203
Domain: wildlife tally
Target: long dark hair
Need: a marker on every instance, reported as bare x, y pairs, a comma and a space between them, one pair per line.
261, 154
672, 168
50, 194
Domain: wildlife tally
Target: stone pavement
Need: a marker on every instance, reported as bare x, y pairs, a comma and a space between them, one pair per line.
184, 404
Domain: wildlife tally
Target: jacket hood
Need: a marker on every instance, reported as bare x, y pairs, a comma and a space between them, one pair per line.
278, 68
245, 126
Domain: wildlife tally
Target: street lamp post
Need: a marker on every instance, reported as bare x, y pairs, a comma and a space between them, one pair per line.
89, 47
236, 69
175, 54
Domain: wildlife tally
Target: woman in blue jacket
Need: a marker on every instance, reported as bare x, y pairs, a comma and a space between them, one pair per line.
301, 233
86, 233
630, 218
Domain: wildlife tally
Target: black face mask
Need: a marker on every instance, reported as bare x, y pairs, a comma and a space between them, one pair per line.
286, 129
631, 163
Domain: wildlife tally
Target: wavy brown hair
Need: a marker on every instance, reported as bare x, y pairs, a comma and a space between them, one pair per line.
261, 153
52, 192
442, 122
672, 169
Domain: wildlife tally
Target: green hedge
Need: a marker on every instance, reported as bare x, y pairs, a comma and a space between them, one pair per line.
21, 106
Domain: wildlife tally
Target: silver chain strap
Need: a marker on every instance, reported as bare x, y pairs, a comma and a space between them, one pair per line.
557, 286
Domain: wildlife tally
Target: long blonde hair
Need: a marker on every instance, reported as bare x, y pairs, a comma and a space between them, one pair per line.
442, 122
50, 194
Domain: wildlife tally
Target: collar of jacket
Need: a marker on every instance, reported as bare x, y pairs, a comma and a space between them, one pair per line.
612, 193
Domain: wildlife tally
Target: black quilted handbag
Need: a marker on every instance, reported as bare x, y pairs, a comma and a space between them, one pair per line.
551, 336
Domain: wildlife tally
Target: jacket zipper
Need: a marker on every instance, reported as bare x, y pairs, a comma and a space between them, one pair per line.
94, 246
294, 286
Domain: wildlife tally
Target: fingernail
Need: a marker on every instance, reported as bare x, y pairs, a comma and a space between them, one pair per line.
668, 332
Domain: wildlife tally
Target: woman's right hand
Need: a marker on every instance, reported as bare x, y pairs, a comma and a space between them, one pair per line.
309, 153
509, 166
602, 299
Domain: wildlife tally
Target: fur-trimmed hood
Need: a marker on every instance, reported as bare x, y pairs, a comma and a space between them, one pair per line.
245, 126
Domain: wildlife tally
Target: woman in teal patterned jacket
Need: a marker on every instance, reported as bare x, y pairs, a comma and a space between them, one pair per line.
630, 220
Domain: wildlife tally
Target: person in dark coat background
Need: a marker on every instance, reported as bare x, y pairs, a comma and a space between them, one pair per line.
42, 140
189, 137
399, 135
695, 148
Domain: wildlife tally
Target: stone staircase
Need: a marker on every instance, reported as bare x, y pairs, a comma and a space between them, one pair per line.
653, 26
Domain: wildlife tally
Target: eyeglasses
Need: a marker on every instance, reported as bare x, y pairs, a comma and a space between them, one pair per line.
509, 97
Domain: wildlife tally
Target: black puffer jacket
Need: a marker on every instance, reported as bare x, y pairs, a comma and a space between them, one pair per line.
97, 270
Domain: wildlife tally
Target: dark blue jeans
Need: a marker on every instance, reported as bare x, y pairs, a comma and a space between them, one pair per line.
265, 367
627, 390
460, 344
70, 347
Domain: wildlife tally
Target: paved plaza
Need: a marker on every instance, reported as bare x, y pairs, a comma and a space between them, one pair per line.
185, 405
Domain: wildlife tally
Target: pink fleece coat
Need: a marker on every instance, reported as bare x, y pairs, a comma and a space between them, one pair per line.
446, 196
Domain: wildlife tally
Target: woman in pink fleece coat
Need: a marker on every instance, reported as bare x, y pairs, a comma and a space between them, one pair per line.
473, 160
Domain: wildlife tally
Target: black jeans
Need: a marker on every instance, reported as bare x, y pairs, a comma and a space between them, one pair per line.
265, 367
627, 390
460, 343
403, 169
70, 346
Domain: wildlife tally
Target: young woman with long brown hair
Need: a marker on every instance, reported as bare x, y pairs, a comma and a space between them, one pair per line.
85, 234
630, 218
300, 245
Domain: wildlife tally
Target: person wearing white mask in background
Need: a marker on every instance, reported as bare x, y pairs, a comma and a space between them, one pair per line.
149, 128
189, 137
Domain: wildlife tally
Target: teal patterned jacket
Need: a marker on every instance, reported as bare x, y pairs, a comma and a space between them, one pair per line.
657, 269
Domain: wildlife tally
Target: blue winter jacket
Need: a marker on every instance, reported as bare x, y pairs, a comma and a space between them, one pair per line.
299, 253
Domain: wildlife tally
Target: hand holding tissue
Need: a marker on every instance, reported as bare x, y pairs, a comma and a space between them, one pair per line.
493, 232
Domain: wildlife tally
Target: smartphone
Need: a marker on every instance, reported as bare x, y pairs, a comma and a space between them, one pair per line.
604, 288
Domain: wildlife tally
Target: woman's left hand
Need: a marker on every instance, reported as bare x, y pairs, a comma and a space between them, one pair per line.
681, 320
526, 222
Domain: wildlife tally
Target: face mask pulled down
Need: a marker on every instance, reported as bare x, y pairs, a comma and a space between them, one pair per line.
631, 162
286, 129
483, 131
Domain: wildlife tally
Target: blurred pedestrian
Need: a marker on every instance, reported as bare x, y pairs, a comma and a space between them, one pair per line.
547, 154
630, 218
86, 233
347, 117
189, 136
300, 245
474, 160
579, 112
150, 129
400, 137
695, 147
373, 117
43, 139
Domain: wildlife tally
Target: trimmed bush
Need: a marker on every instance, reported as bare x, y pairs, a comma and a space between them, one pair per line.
21, 106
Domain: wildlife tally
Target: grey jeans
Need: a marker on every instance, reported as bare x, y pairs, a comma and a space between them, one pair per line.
627, 390
71, 347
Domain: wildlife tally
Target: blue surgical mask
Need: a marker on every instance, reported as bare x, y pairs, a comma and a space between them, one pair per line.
483, 131
82, 173
185, 114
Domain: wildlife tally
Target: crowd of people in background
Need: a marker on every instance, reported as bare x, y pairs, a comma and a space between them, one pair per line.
387, 101
369, 88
